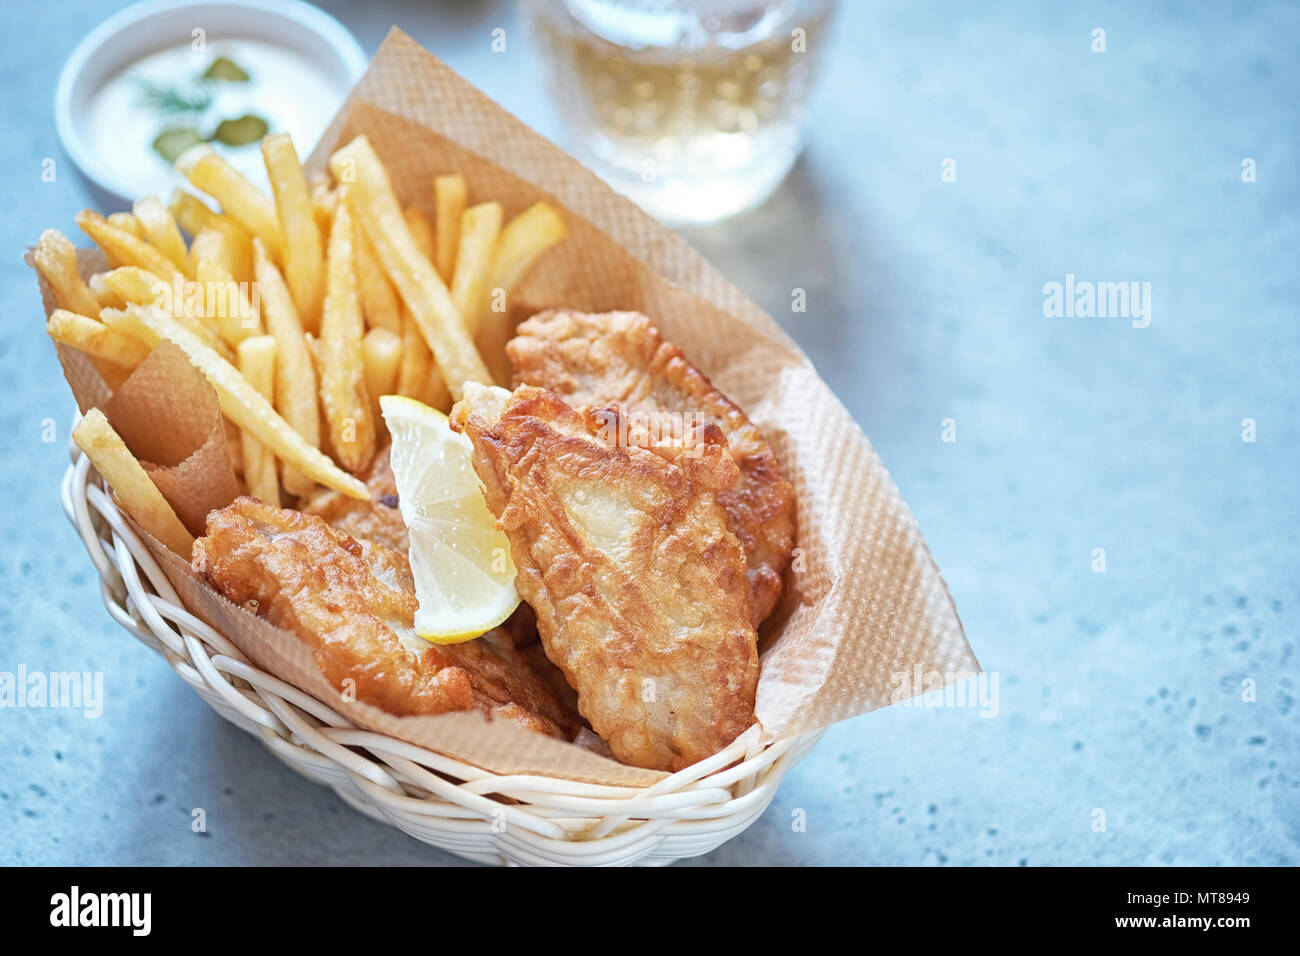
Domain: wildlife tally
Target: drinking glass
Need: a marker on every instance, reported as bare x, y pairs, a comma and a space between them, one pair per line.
694, 109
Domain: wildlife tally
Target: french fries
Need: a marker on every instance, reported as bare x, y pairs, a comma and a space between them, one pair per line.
160, 229
106, 297
295, 378
127, 321
436, 392
303, 257
257, 365
240, 199
193, 215
323, 197
122, 247
241, 403
128, 223
226, 302
479, 227
359, 297
421, 232
521, 243
95, 338
381, 350
136, 286
449, 194
114, 355
417, 373
56, 258
421, 288
381, 353
379, 302
417, 361
130, 483
343, 384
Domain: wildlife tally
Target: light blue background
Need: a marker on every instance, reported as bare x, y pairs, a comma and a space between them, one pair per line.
1118, 691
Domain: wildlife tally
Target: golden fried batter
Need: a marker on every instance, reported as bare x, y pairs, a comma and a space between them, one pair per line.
378, 520
354, 605
638, 584
619, 360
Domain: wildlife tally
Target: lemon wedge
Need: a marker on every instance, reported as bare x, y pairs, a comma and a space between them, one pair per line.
464, 575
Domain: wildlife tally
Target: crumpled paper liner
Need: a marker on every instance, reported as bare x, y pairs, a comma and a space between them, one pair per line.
864, 603
189, 459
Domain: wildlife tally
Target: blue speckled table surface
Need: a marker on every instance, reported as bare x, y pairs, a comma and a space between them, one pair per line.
1127, 692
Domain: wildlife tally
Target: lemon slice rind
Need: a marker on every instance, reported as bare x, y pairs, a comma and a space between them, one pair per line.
464, 575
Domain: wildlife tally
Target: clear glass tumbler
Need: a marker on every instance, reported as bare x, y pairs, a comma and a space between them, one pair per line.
694, 109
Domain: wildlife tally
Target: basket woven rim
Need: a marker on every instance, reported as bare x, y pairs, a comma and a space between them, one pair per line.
475, 813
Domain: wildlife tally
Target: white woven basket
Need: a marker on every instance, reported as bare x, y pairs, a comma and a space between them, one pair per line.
482, 816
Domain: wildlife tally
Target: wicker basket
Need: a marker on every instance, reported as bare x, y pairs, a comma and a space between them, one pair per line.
478, 815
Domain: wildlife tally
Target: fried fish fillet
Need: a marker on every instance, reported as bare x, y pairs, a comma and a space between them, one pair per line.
619, 360
354, 606
378, 519
638, 584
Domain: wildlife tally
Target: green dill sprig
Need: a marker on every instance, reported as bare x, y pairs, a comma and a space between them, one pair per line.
176, 98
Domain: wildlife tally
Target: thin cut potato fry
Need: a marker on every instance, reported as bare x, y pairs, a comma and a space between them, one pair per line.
136, 286
417, 360
435, 391
72, 329
421, 231
381, 351
226, 301
240, 199
257, 364
521, 243
242, 403
416, 279
95, 338
303, 257
122, 248
106, 297
128, 222
417, 375
132, 487
479, 228
449, 195
295, 377
314, 348
161, 230
194, 216
56, 258
379, 302
190, 212
128, 322
342, 371
323, 197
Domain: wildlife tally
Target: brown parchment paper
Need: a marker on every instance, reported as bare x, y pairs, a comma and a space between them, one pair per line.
864, 604
169, 416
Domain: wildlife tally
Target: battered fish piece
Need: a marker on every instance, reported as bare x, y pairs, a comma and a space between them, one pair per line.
619, 360
378, 520
354, 605
638, 584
